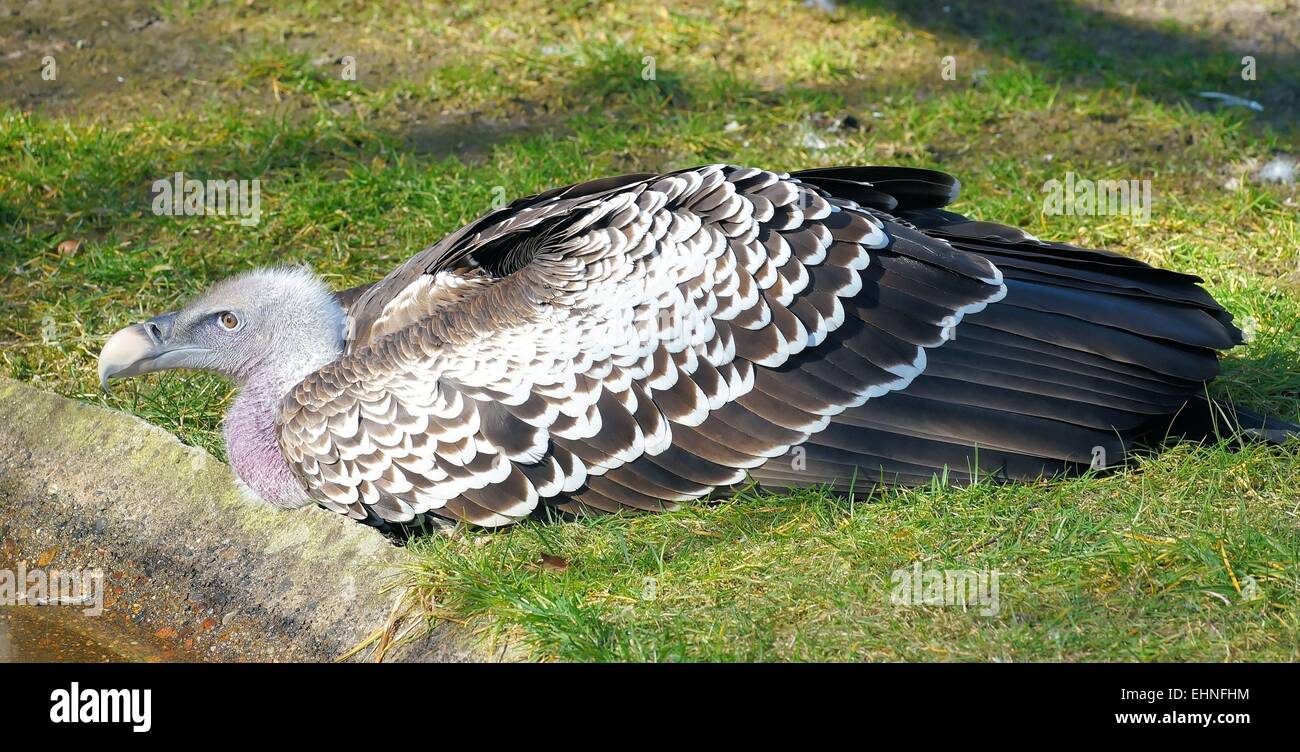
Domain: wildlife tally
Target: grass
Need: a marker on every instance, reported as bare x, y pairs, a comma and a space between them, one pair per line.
1121, 568
457, 105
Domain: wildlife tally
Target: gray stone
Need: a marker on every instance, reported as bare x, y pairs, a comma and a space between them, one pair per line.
178, 542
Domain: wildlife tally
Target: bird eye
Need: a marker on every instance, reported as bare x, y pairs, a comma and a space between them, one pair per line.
228, 321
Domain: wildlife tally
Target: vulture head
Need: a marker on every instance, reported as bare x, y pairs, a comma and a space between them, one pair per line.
267, 324
265, 330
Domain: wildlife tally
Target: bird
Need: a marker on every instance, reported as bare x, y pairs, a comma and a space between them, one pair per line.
648, 340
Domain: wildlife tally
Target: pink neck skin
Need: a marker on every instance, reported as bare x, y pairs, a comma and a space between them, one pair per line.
253, 445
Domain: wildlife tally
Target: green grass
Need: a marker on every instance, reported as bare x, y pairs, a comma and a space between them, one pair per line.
454, 106
1121, 568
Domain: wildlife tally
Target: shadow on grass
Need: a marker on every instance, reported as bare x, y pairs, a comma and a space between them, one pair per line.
1074, 43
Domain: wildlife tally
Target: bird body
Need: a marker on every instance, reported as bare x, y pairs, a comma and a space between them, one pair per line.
646, 340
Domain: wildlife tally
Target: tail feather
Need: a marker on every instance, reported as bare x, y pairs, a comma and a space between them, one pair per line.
1203, 419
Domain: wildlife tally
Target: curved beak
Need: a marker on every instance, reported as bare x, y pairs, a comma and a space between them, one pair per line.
144, 348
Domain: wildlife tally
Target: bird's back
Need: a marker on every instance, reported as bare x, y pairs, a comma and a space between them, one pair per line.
640, 341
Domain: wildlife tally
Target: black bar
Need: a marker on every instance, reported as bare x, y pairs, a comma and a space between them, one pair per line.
983, 701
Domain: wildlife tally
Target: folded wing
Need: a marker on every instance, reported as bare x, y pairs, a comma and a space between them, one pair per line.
629, 343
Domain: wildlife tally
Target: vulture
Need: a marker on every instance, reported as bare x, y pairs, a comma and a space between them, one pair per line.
635, 342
